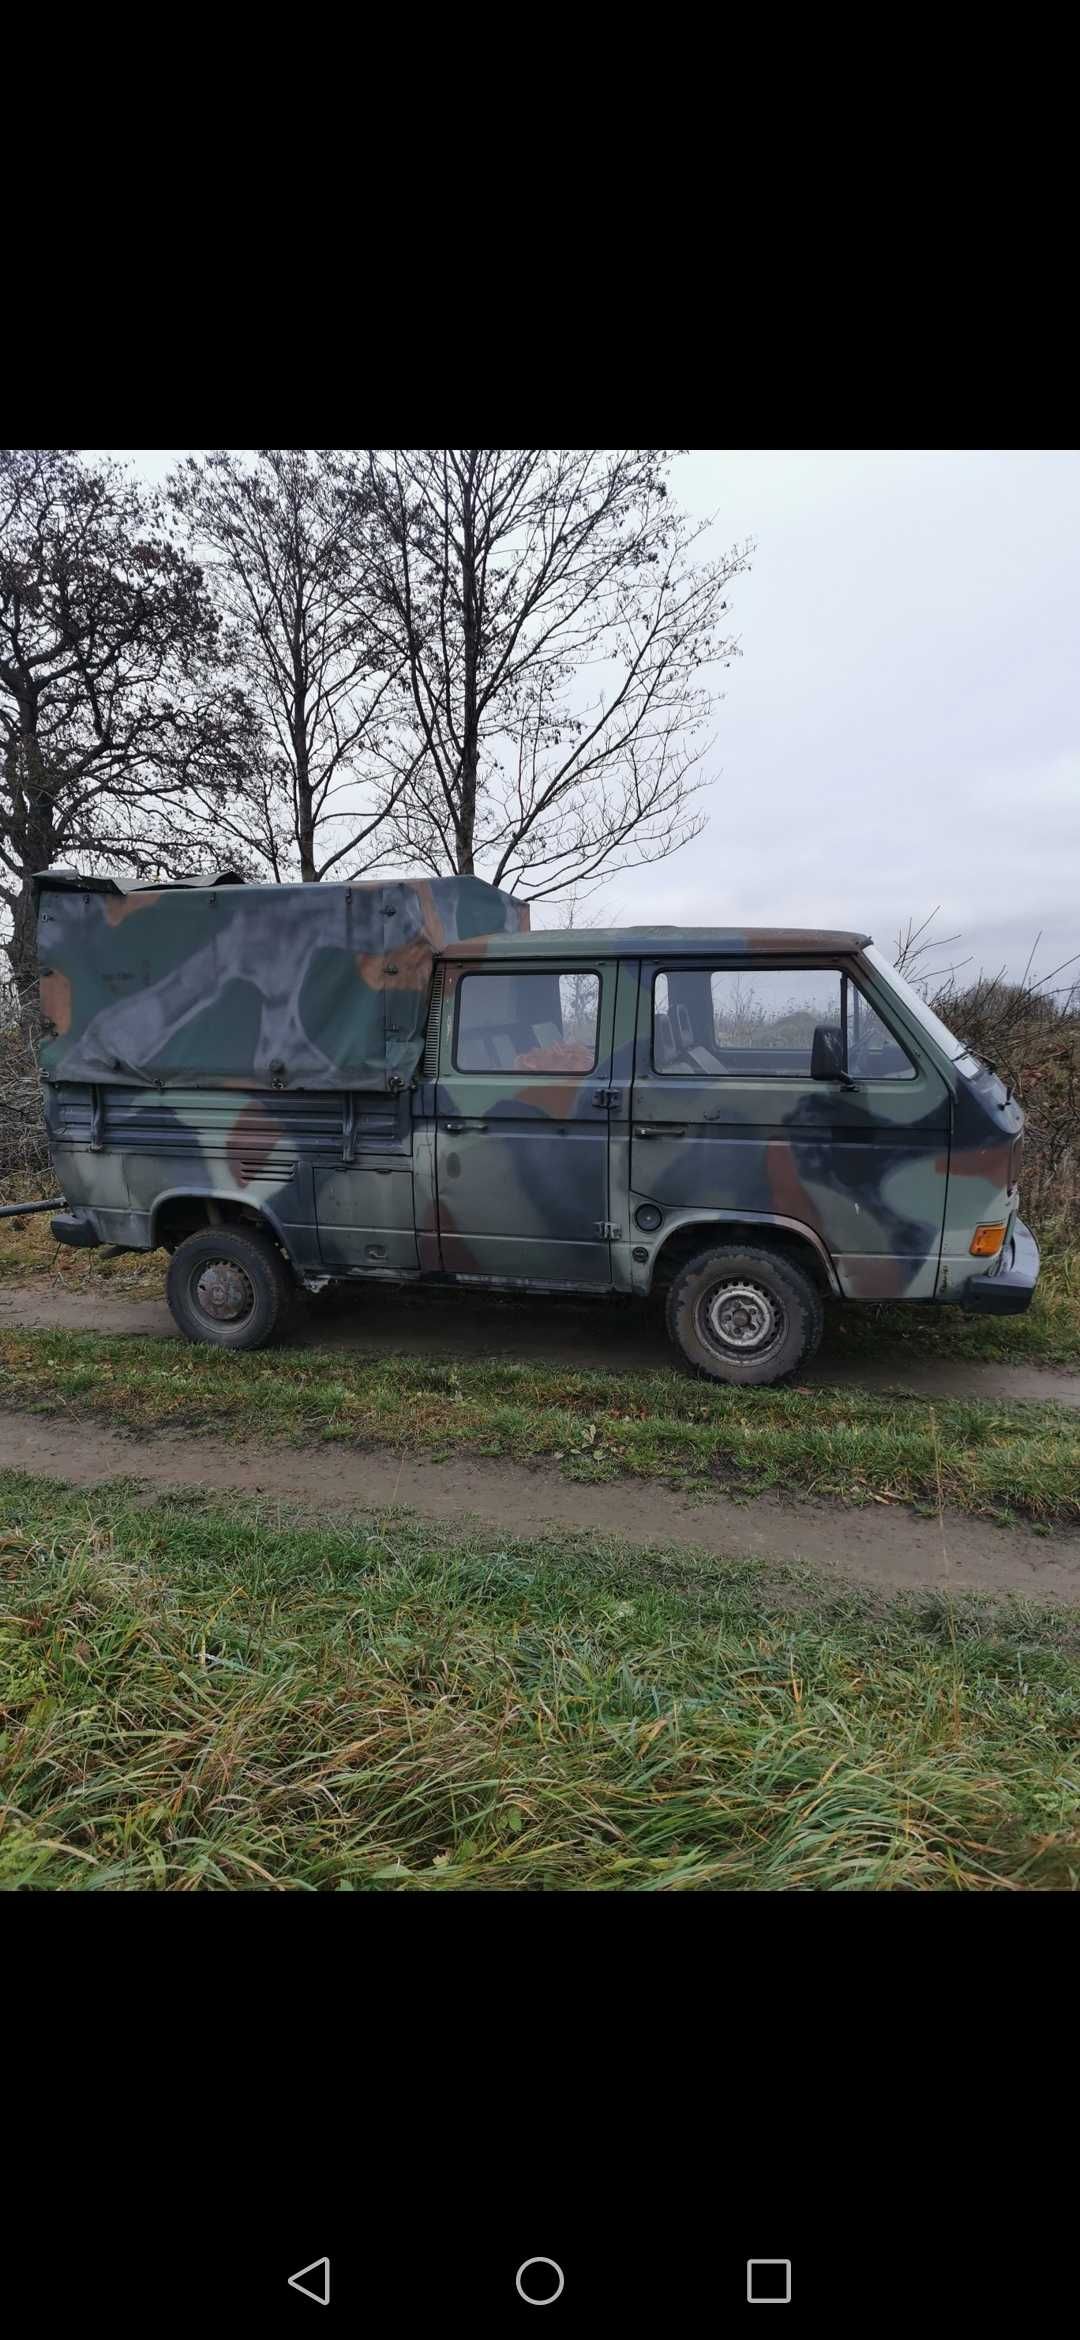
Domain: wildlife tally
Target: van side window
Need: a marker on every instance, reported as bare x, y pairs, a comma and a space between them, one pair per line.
527, 1023
752, 1022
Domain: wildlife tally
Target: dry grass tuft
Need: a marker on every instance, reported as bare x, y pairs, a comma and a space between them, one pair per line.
195, 1697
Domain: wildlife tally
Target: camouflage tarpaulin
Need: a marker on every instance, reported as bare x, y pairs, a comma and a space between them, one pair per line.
226, 985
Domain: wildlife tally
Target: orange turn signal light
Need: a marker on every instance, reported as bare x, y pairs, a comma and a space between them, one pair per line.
987, 1241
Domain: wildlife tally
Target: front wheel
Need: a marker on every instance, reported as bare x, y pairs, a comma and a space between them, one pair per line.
227, 1285
744, 1315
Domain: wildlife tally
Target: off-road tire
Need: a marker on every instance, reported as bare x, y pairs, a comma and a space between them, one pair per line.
256, 1279
772, 1316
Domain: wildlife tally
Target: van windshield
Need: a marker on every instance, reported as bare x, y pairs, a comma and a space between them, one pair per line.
917, 1007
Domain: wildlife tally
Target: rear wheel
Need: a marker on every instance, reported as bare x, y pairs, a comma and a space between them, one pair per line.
744, 1315
229, 1286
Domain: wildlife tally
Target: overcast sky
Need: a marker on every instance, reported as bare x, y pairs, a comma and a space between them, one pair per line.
903, 726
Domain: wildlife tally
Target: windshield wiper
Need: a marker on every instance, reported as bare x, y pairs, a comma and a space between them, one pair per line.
990, 1068
981, 1059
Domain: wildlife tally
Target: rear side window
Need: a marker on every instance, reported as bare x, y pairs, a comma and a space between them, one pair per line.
757, 1022
527, 1023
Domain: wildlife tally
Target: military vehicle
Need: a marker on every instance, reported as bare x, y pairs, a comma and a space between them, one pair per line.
284, 1085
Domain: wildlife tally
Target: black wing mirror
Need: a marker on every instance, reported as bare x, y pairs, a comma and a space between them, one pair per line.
827, 1054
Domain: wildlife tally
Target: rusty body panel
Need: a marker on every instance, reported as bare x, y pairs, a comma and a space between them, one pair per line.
401, 1080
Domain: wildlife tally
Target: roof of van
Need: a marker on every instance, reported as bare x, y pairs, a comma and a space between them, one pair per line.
668, 942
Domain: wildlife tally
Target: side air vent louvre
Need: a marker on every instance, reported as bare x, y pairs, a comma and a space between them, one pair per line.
267, 1132
430, 1061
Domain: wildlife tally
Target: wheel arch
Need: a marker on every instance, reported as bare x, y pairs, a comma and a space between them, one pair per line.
792, 1238
184, 1210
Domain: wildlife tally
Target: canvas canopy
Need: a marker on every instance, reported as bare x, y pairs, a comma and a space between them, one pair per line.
220, 984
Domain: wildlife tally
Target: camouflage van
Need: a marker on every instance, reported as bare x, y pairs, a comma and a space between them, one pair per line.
287, 1085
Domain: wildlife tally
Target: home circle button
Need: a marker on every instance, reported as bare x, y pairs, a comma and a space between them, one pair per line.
539, 2281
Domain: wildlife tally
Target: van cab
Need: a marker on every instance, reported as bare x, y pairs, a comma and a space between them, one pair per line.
753, 1121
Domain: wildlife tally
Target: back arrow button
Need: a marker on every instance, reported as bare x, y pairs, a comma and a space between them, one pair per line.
313, 2281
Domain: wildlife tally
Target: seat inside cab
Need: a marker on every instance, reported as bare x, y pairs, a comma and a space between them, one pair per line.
683, 1025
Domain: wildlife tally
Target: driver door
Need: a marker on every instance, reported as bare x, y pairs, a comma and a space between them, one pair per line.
726, 1116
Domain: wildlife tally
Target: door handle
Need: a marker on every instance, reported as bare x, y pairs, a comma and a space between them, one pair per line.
655, 1129
455, 1128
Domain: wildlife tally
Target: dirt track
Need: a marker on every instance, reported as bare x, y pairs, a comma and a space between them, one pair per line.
615, 1337
891, 1550
887, 1547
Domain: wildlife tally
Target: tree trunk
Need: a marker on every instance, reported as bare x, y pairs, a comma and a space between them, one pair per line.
33, 834
465, 825
305, 817
305, 827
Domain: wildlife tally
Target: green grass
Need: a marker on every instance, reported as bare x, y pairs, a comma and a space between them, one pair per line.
198, 1695
989, 1459
29, 1255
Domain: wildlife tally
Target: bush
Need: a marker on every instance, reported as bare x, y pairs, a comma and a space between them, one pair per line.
23, 1148
1032, 1039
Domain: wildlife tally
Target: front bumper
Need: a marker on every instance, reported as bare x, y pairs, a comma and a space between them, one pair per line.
1008, 1287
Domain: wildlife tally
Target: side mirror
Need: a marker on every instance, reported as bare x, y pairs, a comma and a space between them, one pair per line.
827, 1054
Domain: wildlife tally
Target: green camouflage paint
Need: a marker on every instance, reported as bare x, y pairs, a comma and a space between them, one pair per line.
277, 987
223, 1049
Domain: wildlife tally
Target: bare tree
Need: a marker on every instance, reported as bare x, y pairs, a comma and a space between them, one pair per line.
285, 549
112, 698
557, 635
914, 945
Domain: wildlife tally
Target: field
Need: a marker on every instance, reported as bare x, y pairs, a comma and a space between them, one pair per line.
201, 1695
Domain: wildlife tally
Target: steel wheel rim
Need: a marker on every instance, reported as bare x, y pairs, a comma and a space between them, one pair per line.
222, 1292
737, 1318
